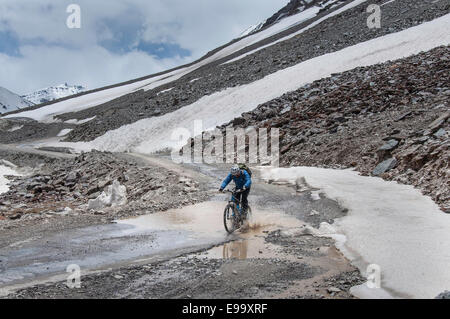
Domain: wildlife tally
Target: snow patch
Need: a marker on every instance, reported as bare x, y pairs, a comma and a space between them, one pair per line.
251, 29
164, 91
78, 122
6, 168
64, 132
335, 13
388, 224
281, 26
15, 128
114, 195
387, 2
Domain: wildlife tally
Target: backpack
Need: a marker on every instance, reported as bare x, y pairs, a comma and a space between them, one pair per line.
245, 168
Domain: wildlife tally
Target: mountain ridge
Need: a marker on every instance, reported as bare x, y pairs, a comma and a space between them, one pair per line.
10, 101
52, 93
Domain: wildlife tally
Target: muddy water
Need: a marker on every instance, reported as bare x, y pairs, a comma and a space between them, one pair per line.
151, 237
205, 220
247, 248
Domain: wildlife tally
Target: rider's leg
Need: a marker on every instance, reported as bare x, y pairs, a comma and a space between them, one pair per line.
244, 198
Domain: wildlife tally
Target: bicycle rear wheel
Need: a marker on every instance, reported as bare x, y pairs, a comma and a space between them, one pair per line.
229, 219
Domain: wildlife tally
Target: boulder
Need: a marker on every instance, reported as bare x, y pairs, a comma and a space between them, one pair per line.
421, 140
389, 146
238, 121
72, 177
440, 133
385, 166
15, 216
437, 124
385, 151
333, 290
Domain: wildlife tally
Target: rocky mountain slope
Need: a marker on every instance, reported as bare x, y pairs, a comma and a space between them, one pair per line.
10, 101
296, 6
336, 33
389, 120
293, 7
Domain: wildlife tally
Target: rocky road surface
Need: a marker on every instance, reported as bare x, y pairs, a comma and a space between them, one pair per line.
179, 253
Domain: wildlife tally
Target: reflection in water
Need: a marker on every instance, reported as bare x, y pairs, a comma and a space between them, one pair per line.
246, 248
235, 250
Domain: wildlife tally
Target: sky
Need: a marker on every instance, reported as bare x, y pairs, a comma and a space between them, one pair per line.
118, 40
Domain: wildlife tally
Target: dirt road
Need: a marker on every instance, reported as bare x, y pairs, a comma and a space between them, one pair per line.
186, 253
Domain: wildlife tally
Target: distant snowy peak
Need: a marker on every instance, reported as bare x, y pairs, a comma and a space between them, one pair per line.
10, 101
54, 93
252, 29
293, 7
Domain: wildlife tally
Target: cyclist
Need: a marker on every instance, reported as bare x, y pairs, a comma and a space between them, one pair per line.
243, 182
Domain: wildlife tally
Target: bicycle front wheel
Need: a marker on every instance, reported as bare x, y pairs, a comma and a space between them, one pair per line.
229, 219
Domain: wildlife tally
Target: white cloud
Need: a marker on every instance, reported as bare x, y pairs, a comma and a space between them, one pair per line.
52, 53
94, 66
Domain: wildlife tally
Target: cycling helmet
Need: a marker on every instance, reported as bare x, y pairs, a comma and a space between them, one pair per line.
235, 170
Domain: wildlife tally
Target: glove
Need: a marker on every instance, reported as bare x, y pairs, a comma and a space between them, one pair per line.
221, 190
244, 189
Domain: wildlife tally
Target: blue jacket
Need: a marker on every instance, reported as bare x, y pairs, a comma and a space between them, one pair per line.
244, 180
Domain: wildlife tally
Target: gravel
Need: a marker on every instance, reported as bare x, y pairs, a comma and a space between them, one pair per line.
65, 187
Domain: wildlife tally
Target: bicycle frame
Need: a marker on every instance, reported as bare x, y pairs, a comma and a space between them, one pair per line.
236, 214
235, 201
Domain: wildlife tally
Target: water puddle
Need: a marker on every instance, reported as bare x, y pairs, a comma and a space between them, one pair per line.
251, 243
159, 235
205, 220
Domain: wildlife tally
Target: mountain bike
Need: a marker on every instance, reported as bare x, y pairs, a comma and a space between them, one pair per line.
233, 217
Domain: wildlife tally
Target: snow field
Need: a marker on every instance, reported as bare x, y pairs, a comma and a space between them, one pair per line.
154, 134
388, 224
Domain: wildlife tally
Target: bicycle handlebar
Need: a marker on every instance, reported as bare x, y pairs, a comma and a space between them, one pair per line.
235, 191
